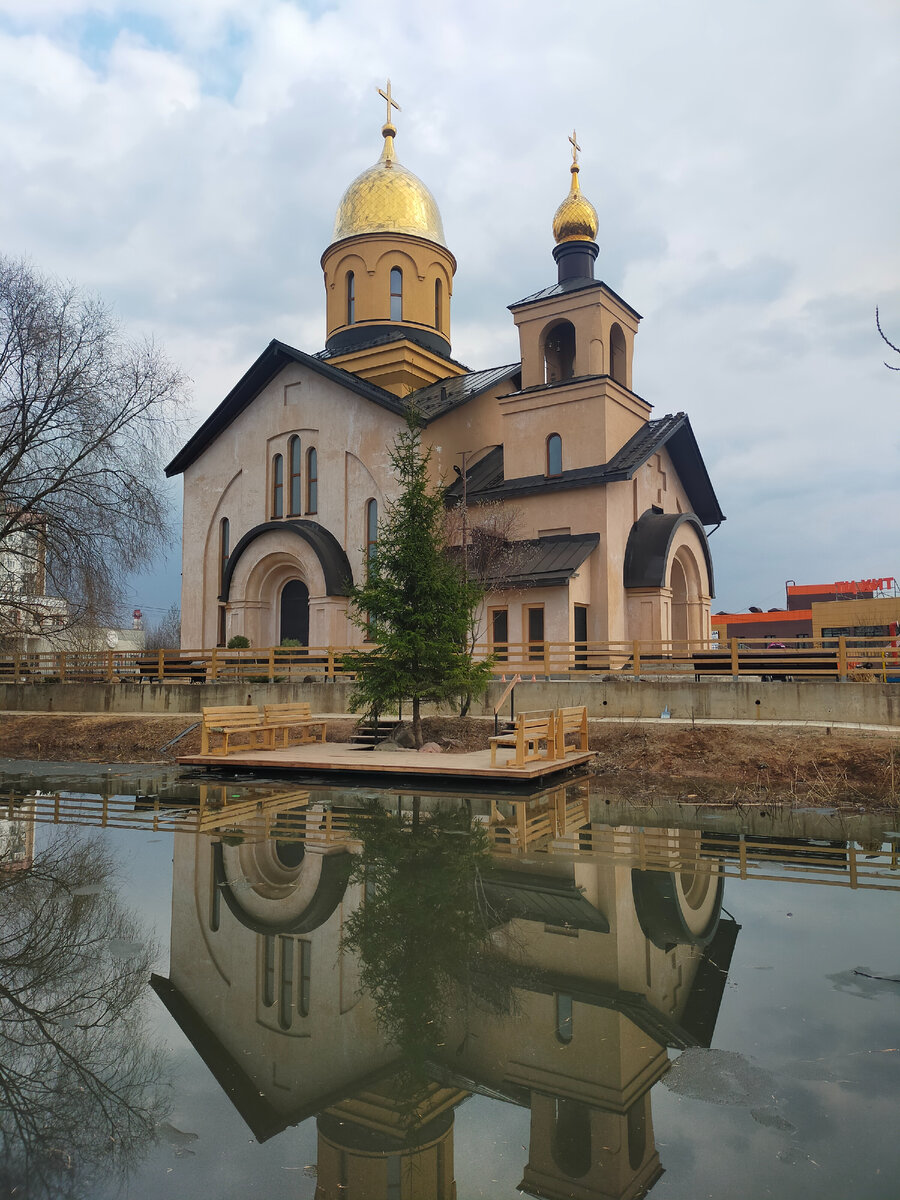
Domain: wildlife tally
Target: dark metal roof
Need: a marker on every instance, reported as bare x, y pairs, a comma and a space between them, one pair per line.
439, 398
572, 285
486, 482
403, 334
649, 542
531, 896
483, 476
273, 359
548, 561
330, 553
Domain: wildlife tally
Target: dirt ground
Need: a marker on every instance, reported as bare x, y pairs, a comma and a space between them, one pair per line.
718, 763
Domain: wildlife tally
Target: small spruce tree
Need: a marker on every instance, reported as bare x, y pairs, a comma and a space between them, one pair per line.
416, 603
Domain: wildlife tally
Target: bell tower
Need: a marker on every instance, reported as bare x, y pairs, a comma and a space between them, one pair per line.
389, 277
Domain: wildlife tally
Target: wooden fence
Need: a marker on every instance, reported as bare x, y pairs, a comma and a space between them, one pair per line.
799, 658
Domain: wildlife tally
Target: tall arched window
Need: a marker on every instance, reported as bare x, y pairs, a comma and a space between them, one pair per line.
396, 294
351, 298
277, 486
617, 354
312, 481
295, 459
437, 304
224, 548
554, 454
371, 528
559, 352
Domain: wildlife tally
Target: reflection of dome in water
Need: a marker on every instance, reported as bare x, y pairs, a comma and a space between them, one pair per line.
387, 198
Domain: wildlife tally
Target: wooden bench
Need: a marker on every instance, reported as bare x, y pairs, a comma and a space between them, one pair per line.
234, 722
531, 729
285, 717
571, 720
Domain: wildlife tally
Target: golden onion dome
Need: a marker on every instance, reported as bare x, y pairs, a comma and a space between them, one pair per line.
576, 218
387, 198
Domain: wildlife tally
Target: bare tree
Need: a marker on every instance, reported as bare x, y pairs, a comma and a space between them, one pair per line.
166, 634
886, 340
87, 419
485, 536
81, 1085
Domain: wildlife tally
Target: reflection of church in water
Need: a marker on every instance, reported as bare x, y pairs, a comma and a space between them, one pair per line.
616, 965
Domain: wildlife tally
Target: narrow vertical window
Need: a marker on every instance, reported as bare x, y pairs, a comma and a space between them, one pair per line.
294, 458
351, 298
312, 480
554, 454
437, 304
396, 294
371, 528
268, 988
214, 894
224, 549
535, 625
277, 486
564, 1017
305, 975
286, 990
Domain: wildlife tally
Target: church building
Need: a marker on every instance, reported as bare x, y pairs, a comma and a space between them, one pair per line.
286, 481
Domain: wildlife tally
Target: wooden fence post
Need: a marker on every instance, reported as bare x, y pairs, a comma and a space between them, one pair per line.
61, 662
214, 664
735, 658
842, 657
635, 658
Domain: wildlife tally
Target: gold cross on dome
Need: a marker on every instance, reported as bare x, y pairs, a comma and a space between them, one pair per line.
391, 103
575, 147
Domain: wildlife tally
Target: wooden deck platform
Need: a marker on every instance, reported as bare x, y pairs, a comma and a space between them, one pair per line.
319, 758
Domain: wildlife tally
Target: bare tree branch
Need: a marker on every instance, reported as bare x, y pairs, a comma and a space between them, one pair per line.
87, 420
886, 339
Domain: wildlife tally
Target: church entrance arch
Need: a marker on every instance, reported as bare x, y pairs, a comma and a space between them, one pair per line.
294, 612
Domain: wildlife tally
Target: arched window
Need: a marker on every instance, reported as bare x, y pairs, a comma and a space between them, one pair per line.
396, 294
351, 298
554, 454
371, 528
617, 354
437, 304
224, 549
295, 476
286, 985
559, 352
564, 1029
277, 486
312, 481
268, 971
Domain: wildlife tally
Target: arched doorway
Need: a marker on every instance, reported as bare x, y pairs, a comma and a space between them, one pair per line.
294, 624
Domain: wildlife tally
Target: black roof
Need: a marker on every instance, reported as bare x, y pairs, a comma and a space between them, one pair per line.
572, 285
547, 561
273, 359
439, 398
486, 480
382, 339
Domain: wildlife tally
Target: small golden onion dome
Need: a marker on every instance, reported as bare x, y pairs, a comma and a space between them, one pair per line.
387, 198
576, 218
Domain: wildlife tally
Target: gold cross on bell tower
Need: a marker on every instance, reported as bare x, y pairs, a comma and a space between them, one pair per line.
575, 147
391, 103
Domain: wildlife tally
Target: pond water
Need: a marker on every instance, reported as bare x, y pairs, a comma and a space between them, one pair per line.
256, 989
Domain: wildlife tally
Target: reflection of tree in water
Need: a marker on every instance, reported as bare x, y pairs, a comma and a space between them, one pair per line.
80, 1087
422, 932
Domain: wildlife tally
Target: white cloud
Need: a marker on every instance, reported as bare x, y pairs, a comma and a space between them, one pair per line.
185, 157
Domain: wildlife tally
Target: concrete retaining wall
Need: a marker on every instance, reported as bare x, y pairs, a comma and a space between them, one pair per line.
820, 700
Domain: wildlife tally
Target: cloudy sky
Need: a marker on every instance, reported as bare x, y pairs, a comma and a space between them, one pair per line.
185, 158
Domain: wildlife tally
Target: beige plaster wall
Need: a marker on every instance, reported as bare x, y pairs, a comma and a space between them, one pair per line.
232, 479
371, 257
592, 312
